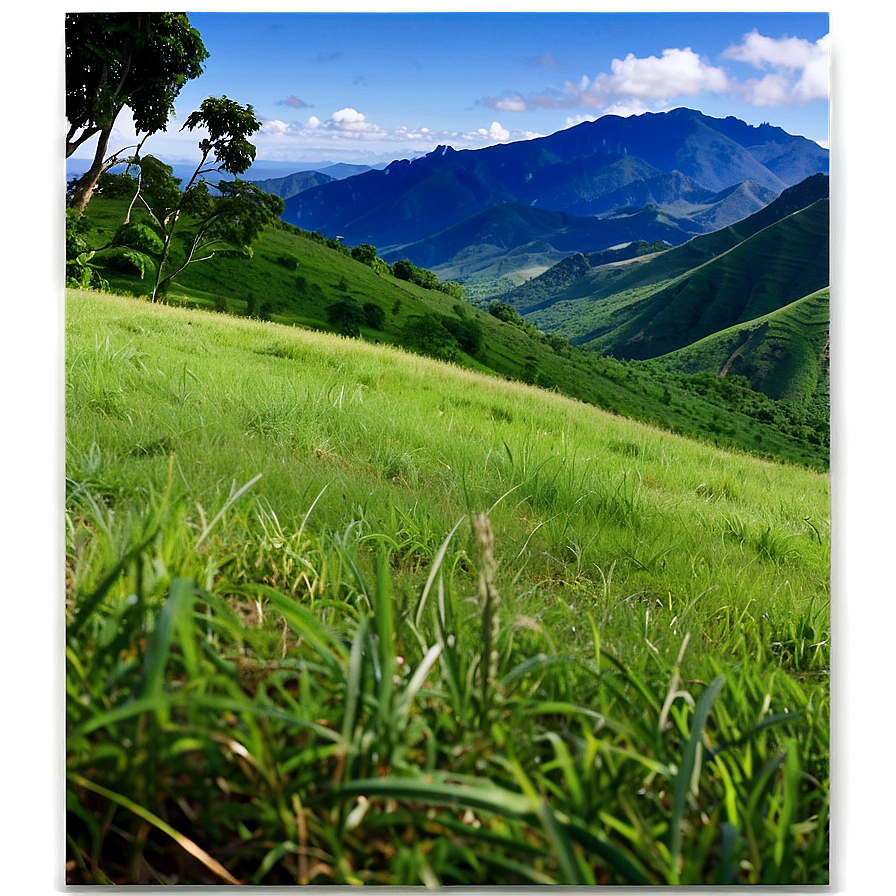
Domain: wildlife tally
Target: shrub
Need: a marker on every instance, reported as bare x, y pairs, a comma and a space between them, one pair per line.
428, 335
374, 316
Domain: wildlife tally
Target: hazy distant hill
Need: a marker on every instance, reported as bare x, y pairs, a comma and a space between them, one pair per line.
569, 171
293, 184
511, 237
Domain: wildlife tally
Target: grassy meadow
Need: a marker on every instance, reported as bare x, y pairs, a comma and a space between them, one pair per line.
342, 614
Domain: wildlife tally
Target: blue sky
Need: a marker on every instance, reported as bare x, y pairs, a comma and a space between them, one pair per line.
377, 86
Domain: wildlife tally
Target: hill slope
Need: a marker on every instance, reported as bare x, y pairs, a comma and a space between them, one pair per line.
767, 271
592, 277
296, 277
783, 354
327, 599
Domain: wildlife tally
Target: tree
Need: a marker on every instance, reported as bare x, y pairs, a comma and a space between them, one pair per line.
347, 315
365, 253
505, 312
427, 334
206, 224
374, 316
113, 60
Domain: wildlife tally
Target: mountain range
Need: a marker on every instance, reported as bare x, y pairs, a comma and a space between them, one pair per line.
468, 213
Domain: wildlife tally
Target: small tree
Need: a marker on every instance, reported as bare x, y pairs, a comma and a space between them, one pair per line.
374, 316
347, 316
428, 335
207, 224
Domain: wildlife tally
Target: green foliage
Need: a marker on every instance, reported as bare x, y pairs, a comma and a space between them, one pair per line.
117, 186
406, 270
128, 261
205, 222
374, 316
116, 60
364, 253
140, 237
453, 289
347, 316
429, 335
505, 312
229, 126
80, 271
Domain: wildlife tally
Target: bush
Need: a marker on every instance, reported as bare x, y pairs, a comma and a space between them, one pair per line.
428, 335
374, 316
347, 316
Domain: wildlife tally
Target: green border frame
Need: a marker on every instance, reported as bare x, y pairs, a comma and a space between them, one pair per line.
32, 435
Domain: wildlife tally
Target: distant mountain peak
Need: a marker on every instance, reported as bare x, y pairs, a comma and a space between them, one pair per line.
667, 159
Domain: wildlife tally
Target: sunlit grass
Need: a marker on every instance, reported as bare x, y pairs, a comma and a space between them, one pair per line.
340, 614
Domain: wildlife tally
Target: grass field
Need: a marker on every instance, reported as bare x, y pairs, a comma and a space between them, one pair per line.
340, 614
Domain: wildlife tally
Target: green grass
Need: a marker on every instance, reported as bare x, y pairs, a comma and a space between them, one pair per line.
298, 277
340, 614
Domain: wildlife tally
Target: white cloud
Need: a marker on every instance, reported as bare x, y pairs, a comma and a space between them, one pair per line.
495, 132
799, 70
349, 127
511, 103
631, 83
795, 70
658, 79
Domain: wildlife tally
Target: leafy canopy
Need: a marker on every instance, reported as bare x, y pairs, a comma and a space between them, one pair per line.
117, 60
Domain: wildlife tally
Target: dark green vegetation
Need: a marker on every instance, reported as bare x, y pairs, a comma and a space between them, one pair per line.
772, 269
778, 353
341, 614
296, 277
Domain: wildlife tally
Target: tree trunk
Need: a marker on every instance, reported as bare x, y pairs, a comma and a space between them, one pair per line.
88, 181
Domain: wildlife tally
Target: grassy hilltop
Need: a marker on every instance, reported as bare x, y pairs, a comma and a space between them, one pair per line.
296, 277
340, 613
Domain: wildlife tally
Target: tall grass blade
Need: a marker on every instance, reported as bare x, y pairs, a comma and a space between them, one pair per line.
176, 616
184, 842
685, 775
87, 608
227, 505
556, 835
436, 565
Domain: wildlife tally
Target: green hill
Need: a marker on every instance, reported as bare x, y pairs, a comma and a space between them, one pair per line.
338, 614
783, 354
295, 278
596, 279
766, 271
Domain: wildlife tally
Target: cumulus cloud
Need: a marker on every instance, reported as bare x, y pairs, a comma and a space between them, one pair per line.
677, 72
794, 70
631, 83
798, 70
